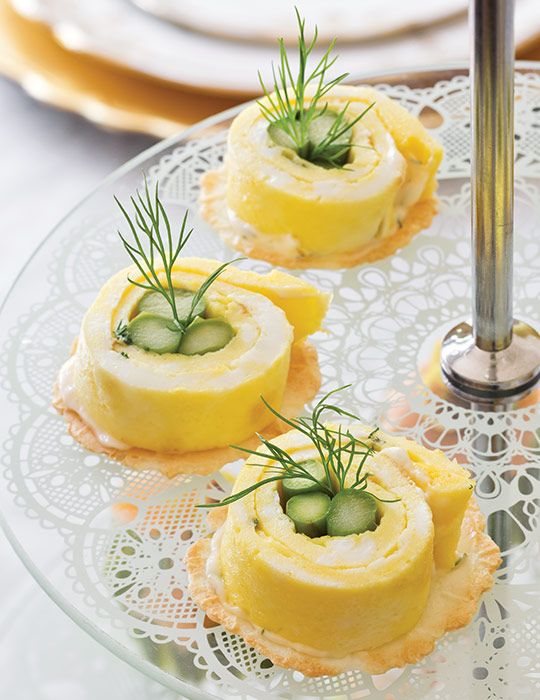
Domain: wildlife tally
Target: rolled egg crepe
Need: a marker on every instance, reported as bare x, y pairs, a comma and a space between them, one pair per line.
284, 207
182, 403
348, 599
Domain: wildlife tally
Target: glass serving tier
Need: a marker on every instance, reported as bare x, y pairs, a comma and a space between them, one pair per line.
107, 543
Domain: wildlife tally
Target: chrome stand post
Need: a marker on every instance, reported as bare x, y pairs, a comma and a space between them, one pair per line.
496, 356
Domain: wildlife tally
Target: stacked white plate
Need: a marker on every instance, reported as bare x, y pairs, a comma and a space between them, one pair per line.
218, 45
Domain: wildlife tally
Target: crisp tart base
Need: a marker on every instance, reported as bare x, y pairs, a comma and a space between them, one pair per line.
303, 383
452, 603
213, 208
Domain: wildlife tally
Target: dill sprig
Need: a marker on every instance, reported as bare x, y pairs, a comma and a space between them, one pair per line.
121, 332
154, 249
287, 110
338, 450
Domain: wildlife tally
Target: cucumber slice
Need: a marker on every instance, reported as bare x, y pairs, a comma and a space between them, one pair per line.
292, 487
155, 303
320, 126
280, 137
351, 512
318, 131
154, 333
205, 335
308, 512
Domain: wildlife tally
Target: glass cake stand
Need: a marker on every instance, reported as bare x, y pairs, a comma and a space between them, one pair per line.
120, 536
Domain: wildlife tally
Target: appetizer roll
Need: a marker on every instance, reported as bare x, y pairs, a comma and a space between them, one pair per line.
337, 593
345, 568
318, 174
139, 383
174, 353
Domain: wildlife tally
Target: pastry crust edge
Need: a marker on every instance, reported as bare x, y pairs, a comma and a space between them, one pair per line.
213, 208
452, 604
303, 382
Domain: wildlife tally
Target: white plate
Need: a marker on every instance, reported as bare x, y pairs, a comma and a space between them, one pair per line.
116, 31
243, 19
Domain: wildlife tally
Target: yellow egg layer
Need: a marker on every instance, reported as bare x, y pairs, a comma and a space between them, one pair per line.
448, 489
179, 403
391, 167
303, 304
337, 595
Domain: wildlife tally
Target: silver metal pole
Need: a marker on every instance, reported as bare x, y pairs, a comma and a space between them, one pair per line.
492, 123
496, 356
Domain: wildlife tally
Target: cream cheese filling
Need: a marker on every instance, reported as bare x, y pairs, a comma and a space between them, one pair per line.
261, 334
357, 182
401, 457
345, 550
284, 244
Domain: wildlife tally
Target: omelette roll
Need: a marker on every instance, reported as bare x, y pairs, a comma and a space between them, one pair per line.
327, 580
334, 595
175, 402
290, 208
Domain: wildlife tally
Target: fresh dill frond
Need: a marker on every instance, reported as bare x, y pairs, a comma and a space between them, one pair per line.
154, 249
289, 109
338, 450
146, 226
121, 332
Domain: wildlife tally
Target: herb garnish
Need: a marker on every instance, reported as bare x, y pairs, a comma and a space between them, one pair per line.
154, 249
337, 451
286, 109
121, 332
